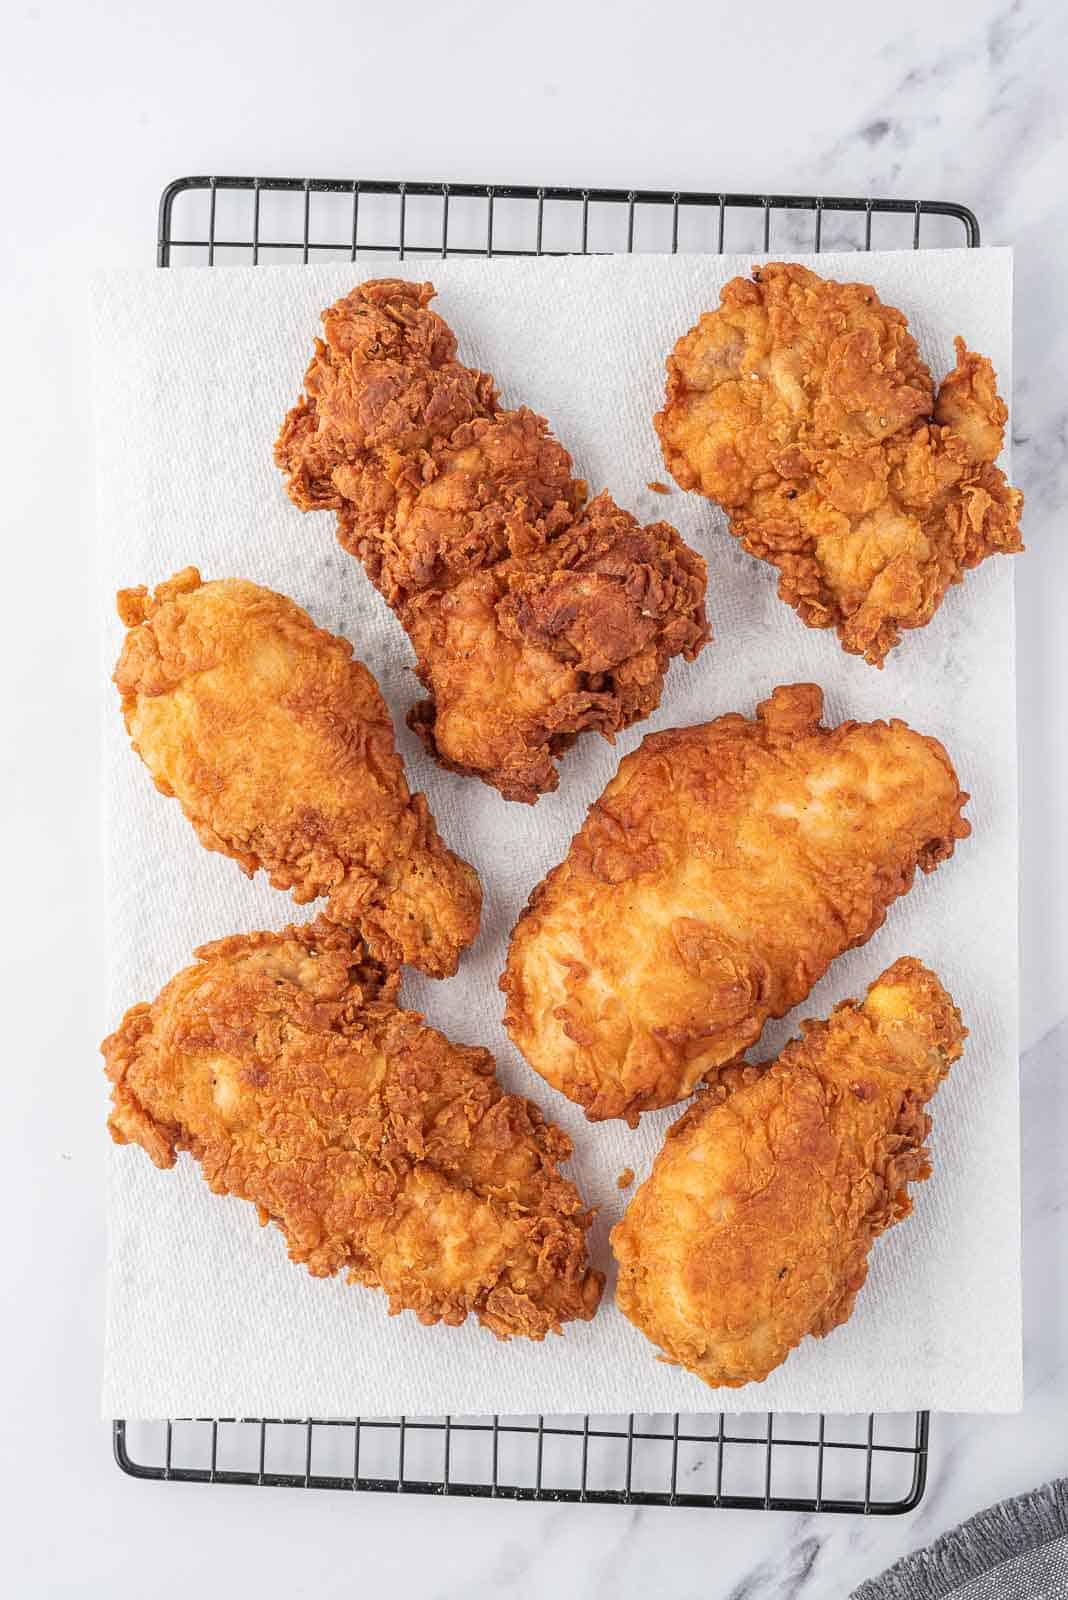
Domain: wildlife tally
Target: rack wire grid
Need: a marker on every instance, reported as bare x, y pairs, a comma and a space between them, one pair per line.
867, 1465
772, 1462
227, 220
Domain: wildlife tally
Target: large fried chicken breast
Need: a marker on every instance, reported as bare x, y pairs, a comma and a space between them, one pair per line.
282, 1063
754, 1227
720, 873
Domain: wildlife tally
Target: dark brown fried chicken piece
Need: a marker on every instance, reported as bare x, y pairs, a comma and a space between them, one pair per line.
386, 377
522, 656
279, 748
283, 1064
533, 615
502, 486
803, 408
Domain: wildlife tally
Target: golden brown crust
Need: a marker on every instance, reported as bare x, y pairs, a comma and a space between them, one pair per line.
279, 748
803, 408
723, 869
281, 1062
498, 487
754, 1227
385, 376
470, 523
523, 657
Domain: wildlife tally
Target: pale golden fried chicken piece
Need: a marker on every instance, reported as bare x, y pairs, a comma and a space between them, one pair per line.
713, 883
283, 1064
754, 1227
468, 520
522, 657
803, 408
279, 748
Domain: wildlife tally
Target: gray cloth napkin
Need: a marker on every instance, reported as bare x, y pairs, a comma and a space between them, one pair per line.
1017, 1550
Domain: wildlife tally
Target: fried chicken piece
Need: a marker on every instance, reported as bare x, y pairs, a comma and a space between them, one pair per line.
802, 407
386, 376
754, 1227
502, 486
522, 657
283, 1064
279, 748
713, 883
468, 520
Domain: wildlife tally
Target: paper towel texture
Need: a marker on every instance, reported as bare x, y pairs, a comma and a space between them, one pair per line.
194, 372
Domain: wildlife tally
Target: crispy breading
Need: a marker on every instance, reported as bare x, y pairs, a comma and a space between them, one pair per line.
282, 1063
754, 1227
501, 487
279, 748
522, 657
386, 376
722, 870
802, 407
467, 518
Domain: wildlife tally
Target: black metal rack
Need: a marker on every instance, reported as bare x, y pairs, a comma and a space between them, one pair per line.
874, 1466
320, 218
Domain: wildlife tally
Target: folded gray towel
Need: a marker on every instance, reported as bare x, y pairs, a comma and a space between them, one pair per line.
1017, 1550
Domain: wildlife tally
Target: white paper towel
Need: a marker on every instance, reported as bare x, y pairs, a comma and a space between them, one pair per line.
194, 372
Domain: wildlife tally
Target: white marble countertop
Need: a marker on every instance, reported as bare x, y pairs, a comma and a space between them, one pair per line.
104, 104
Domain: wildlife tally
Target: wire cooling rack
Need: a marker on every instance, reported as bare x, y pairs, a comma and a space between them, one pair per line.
215, 221
871, 1465
874, 1465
